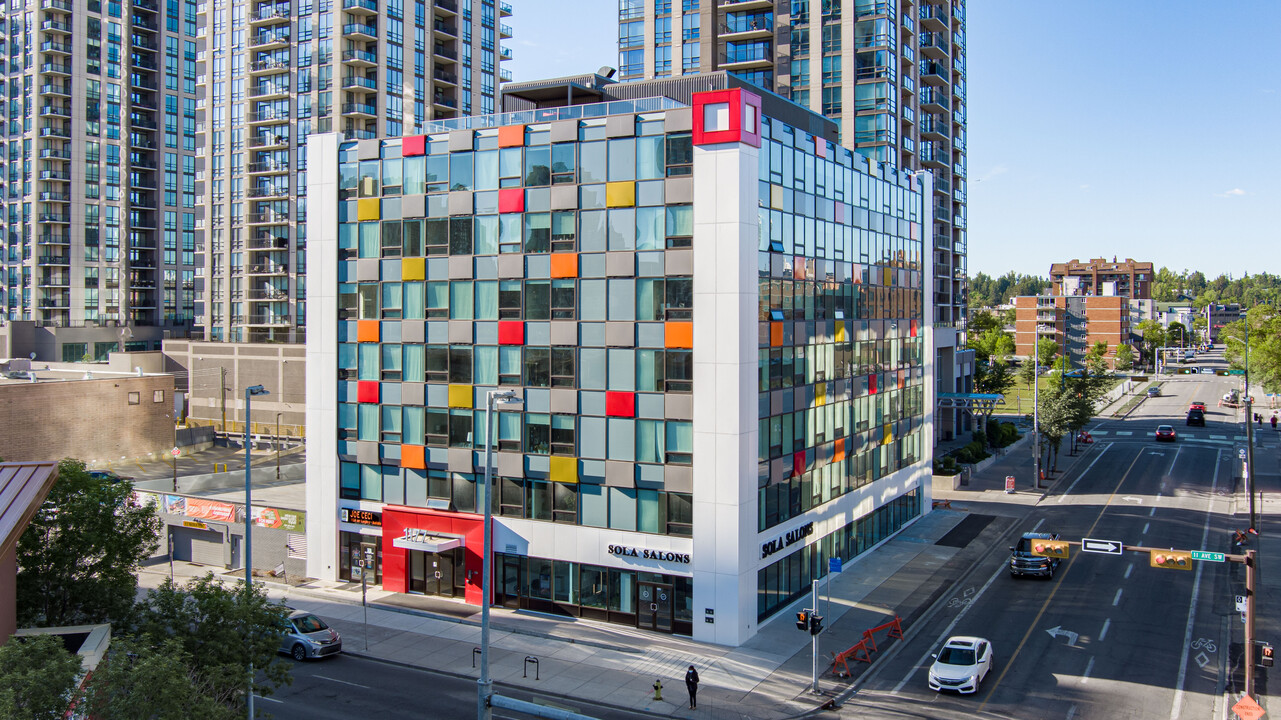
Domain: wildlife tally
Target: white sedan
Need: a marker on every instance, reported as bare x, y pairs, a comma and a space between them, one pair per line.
961, 665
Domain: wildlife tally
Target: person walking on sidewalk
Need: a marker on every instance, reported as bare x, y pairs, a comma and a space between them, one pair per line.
691, 682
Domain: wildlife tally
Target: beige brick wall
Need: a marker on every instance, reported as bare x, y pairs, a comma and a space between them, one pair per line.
91, 420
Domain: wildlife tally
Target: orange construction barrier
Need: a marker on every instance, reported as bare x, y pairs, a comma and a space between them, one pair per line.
894, 626
840, 659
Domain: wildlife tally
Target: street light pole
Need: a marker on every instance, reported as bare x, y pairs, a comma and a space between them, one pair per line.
249, 554
1036, 419
484, 685
278, 447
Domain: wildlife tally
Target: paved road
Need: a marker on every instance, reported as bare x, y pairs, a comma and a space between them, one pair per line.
345, 687
1108, 636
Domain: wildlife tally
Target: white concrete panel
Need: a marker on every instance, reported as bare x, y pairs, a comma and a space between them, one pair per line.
322, 358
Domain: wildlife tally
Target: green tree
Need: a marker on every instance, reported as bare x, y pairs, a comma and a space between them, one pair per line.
1124, 359
1096, 359
1177, 332
1153, 335
983, 320
1199, 325
144, 681
1264, 325
38, 678
223, 630
78, 557
994, 344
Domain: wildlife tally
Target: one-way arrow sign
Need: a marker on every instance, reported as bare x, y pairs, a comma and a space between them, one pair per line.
1106, 547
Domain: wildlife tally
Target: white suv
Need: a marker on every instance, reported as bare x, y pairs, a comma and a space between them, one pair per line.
961, 665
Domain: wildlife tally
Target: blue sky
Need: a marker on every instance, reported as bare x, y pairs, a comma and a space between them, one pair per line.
1140, 128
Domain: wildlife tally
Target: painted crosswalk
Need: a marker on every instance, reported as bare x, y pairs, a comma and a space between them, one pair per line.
1217, 439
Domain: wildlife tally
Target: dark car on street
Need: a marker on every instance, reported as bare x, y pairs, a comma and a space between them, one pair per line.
1165, 433
1023, 562
1196, 417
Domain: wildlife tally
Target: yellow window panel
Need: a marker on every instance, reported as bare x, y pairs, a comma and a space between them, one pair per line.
413, 269
563, 469
887, 434
620, 194
460, 396
820, 394
367, 209
841, 335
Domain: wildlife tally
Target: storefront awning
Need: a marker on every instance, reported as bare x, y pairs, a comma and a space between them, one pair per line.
423, 541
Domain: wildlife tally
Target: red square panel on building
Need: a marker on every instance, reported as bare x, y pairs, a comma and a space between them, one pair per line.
367, 391
871, 384
620, 404
413, 146
511, 332
511, 200
722, 116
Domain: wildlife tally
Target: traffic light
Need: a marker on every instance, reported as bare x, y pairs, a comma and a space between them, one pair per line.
816, 624
1265, 653
803, 620
1049, 548
1171, 559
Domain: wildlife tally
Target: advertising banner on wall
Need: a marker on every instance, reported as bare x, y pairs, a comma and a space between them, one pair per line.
211, 510
266, 517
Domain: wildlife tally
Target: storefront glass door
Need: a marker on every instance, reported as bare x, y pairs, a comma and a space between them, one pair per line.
654, 606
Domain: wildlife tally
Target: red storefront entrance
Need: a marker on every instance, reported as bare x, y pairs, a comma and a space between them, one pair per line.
402, 561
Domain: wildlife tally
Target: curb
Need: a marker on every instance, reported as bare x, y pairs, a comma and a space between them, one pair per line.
923, 611
568, 699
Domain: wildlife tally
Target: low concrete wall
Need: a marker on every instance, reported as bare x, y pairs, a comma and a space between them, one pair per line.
262, 475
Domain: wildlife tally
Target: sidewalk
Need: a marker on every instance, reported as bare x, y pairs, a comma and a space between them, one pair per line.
767, 678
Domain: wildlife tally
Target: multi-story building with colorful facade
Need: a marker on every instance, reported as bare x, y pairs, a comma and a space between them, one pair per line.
716, 323
891, 73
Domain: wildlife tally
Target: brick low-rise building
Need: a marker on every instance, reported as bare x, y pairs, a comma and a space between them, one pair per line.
1075, 323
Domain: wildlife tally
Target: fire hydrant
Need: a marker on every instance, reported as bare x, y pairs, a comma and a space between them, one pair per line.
658, 689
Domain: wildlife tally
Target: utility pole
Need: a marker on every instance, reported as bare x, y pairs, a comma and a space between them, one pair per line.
1036, 419
222, 395
1251, 560
1249, 429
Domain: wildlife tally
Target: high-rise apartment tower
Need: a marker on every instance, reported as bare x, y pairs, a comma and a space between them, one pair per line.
890, 72
280, 70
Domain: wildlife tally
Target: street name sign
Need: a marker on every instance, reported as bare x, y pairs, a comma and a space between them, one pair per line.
1105, 547
1208, 556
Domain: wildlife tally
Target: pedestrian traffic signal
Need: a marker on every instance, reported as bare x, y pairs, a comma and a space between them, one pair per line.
1265, 653
1171, 559
803, 620
816, 624
1049, 548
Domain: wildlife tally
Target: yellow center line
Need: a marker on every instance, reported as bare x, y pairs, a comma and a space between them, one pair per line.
1089, 533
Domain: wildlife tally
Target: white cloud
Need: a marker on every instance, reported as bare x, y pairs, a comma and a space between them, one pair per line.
1234, 192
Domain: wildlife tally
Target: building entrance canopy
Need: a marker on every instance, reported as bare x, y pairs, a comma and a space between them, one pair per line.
417, 539
981, 402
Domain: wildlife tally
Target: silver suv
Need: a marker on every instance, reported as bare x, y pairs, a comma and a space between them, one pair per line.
307, 636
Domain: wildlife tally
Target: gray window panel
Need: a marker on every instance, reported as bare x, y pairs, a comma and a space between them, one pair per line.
591, 437
622, 300
438, 205
592, 368
650, 335
591, 334
591, 471
593, 505
389, 332
650, 405
416, 488
591, 162
649, 264
538, 400
486, 333
592, 264
390, 393
538, 333
538, 200
592, 300
622, 370
390, 270
591, 403
622, 439
622, 508
393, 486
438, 395
651, 475
485, 203
622, 159
591, 230
622, 229
538, 266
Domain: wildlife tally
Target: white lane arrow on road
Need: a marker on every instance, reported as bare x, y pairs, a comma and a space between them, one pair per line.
1131, 498
1057, 631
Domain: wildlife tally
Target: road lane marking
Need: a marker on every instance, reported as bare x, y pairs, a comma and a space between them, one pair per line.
1116, 598
1084, 472
344, 682
948, 632
1152, 512
1145, 528
1085, 676
1129, 569
268, 699
1104, 632
1058, 584
1176, 709
1071, 713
